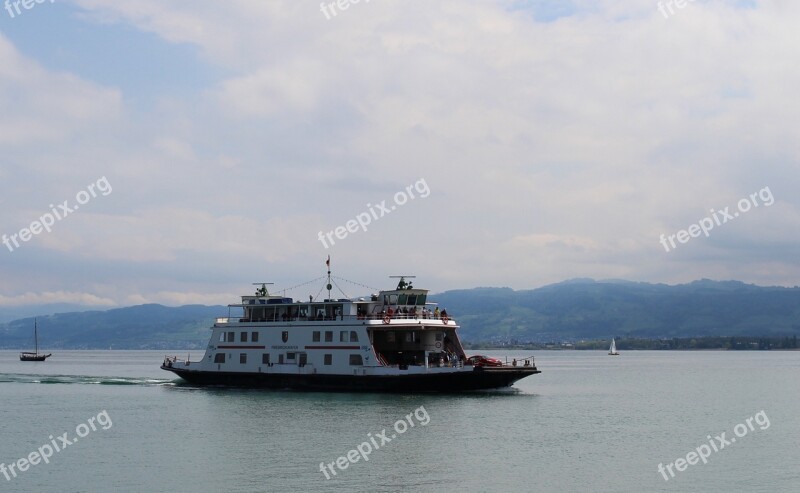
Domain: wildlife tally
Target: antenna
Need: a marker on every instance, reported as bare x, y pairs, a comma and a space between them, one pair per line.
263, 290
403, 284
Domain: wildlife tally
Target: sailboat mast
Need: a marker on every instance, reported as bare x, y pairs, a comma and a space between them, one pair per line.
36, 335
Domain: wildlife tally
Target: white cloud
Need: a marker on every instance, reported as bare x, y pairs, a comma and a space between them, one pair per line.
553, 149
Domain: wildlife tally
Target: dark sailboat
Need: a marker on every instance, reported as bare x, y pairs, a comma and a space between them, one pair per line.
35, 356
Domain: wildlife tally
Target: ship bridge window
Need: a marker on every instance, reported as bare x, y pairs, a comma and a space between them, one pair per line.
412, 299
230, 337
219, 358
421, 299
355, 360
328, 336
402, 299
243, 337
390, 299
254, 337
315, 336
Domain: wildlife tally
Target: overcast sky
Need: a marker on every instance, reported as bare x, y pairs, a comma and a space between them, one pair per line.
541, 140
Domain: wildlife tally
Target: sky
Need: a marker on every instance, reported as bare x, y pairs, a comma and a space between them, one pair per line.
176, 151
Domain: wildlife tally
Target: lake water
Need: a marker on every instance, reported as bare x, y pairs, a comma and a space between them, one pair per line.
589, 422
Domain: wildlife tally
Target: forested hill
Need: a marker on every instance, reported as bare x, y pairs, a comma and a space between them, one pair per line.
572, 310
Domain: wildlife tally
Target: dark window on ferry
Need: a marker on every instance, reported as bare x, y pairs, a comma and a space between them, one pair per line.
342, 336
315, 336
230, 337
355, 360
265, 359
280, 359
254, 337
328, 359
412, 299
244, 336
328, 336
219, 358
285, 336
290, 356
243, 358
353, 336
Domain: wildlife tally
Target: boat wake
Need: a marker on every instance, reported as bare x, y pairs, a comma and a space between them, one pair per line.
82, 380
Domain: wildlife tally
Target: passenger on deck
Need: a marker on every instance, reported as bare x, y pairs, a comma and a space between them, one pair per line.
444, 312
436, 312
390, 312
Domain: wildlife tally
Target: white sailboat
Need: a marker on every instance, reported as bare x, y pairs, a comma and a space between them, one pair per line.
612, 351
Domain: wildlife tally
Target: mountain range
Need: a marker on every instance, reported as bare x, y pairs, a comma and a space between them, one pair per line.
573, 310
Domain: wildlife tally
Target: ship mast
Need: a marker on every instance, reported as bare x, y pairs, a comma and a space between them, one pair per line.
329, 286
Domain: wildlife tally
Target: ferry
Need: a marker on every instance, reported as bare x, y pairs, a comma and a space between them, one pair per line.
392, 341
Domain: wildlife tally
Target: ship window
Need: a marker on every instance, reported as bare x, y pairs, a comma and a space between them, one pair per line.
219, 358
353, 336
290, 356
285, 335
254, 337
390, 336
280, 359
328, 359
411, 337
265, 359
243, 358
439, 336
230, 337
343, 336
315, 336
412, 299
243, 336
355, 360
421, 299
222, 337
328, 336
401, 300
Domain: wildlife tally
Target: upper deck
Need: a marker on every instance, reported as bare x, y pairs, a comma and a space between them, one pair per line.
402, 304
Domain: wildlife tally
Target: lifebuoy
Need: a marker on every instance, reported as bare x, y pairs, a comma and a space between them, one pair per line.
438, 345
445, 320
386, 319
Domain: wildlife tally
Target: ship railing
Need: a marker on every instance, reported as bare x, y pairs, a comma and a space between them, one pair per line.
171, 361
296, 318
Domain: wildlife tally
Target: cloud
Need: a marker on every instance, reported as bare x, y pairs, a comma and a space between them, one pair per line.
559, 139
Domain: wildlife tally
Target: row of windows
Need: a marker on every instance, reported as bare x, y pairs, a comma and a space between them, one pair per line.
344, 336
355, 359
231, 337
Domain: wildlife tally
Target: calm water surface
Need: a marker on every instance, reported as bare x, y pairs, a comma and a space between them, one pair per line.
589, 422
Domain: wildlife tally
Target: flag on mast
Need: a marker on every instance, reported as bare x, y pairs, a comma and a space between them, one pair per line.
328, 262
